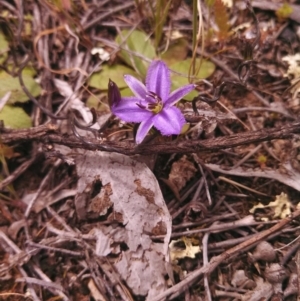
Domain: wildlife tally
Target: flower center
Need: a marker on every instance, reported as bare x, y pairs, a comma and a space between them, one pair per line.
155, 106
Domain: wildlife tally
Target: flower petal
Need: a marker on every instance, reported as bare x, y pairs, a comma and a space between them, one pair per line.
169, 121
178, 94
128, 110
136, 86
158, 79
143, 130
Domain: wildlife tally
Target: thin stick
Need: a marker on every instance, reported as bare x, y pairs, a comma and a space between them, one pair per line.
43, 134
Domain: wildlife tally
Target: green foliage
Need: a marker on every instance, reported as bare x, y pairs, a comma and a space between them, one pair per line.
284, 11
11, 84
207, 69
161, 13
15, 117
126, 92
116, 72
137, 42
176, 52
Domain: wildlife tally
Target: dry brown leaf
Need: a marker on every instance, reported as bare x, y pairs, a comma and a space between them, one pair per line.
181, 172
262, 291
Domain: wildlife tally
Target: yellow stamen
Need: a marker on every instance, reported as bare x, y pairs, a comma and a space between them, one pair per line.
157, 108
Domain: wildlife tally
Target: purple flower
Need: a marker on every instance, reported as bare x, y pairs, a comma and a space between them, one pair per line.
153, 104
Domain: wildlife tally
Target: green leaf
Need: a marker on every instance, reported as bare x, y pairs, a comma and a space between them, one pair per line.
207, 68
9, 83
126, 92
93, 102
100, 79
4, 47
15, 117
140, 43
176, 52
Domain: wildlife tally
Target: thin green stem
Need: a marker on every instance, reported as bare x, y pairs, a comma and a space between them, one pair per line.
162, 10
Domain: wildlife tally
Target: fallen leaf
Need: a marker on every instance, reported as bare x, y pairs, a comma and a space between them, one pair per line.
239, 279
281, 206
262, 291
138, 212
181, 172
74, 102
177, 252
291, 177
293, 61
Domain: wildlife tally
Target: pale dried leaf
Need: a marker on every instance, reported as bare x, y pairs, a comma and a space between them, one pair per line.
282, 206
176, 252
103, 243
75, 103
95, 293
239, 278
294, 65
139, 206
47, 198
290, 177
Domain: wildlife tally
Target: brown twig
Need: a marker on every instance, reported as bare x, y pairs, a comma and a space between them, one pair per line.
17, 172
49, 134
